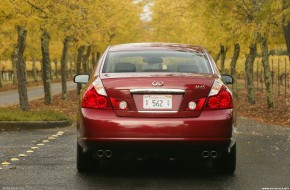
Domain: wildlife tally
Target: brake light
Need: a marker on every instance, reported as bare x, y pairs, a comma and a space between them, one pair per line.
219, 97
96, 97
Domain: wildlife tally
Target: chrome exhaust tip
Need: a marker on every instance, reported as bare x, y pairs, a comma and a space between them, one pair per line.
108, 153
213, 154
205, 154
139, 158
172, 159
100, 153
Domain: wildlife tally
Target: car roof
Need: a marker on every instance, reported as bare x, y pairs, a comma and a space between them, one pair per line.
157, 46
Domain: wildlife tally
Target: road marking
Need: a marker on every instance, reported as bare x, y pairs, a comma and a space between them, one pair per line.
5, 163
52, 137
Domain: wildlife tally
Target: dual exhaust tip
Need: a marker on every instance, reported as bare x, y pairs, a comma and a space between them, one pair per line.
104, 153
209, 154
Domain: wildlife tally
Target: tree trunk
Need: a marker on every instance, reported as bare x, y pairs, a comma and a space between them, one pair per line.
267, 71
98, 56
234, 75
51, 74
71, 68
223, 58
1, 69
233, 68
20, 67
81, 50
86, 60
217, 57
286, 31
93, 60
34, 70
1, 84
46, 67
14, 60
249, 69
56, 68
64, 67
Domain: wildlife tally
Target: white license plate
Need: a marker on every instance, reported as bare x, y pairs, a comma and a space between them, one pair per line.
157, 101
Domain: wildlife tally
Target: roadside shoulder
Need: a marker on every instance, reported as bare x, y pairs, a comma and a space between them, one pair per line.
30, 125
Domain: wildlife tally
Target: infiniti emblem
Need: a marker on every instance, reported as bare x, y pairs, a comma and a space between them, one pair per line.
157, 83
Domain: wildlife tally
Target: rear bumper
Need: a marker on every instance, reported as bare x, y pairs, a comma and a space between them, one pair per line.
102, 129
157, 149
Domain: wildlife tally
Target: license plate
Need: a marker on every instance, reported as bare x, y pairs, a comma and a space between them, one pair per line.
157, 101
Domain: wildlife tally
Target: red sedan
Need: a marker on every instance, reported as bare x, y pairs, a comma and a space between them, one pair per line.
155, 100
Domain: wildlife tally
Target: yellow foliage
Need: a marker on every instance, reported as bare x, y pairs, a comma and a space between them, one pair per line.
99, 23
212, 23
87, 22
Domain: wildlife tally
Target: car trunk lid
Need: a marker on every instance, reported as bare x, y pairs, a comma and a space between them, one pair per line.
157, 95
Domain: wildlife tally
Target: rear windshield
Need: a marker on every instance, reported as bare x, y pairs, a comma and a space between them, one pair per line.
156, 61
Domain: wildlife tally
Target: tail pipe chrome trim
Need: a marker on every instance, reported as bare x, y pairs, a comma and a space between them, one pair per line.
213, 154
100, 153
108, 153
205, 154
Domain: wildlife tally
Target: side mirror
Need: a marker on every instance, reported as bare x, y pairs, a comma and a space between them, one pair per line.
81, 79
227, 79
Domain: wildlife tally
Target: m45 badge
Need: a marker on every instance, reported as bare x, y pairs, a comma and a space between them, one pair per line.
199, 86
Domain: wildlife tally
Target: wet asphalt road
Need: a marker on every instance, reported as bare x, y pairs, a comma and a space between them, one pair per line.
11, 97
263, 161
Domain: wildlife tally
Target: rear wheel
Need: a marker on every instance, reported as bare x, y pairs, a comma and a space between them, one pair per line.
85, 161
228, 161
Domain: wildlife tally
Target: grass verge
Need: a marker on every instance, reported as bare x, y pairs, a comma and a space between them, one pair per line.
14, 114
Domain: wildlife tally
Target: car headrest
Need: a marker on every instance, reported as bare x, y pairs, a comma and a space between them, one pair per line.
188, 68
124, 67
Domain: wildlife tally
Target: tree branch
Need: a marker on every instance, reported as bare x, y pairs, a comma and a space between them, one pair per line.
34, 6
247, 7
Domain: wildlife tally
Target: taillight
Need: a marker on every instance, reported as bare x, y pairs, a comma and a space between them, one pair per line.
119, 104
219, 97
195, 104
96, 97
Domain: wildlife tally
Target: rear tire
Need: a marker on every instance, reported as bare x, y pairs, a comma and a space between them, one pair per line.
85, 161
228, 161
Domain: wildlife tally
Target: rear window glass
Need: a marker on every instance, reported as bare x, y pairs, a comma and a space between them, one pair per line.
156, 61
